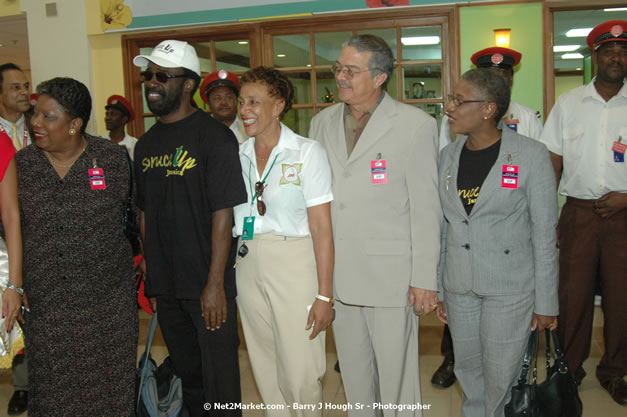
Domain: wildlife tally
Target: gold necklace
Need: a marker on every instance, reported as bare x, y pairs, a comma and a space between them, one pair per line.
55, 163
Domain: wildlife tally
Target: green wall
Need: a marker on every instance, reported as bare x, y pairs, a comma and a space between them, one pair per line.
477, 24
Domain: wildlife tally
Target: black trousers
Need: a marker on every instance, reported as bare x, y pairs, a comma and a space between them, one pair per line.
206, 361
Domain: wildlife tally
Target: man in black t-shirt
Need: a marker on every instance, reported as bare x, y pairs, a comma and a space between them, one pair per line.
188, 180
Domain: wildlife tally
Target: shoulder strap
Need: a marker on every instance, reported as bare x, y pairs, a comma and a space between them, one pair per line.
152, 328
532, 348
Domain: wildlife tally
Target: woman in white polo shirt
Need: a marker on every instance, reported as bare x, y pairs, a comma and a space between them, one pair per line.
285, 282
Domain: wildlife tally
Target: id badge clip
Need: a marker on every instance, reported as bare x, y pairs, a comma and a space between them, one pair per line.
509, 178
619, 150
512, 124
378, 170
248, 230
96, 179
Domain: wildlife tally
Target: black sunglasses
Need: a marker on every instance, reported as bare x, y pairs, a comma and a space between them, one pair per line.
261, 206
162, 77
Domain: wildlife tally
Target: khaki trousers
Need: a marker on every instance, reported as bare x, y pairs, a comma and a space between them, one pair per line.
276, 282
378, 352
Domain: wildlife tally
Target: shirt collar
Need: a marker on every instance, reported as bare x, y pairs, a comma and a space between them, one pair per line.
591, 91
287, 140
6, 123
370, 110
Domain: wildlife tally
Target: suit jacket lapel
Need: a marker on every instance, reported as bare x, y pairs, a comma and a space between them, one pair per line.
336, 135
378, 125
450, 178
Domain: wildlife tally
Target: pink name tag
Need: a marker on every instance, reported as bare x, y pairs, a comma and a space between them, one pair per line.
619, 147
96, 179
509, 179
378, 171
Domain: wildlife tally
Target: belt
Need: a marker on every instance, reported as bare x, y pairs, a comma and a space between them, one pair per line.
270, 236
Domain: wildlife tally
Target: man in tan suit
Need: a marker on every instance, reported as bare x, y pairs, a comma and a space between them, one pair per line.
386, 220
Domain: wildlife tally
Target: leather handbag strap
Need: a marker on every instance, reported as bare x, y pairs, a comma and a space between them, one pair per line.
532, 348
152, 329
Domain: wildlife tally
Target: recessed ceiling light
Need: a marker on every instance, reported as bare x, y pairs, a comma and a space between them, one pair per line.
242, 43
565, 48
577, 69
420, 40
617, 9
1, 45
280, 55
575, 55
309, 65
578, 33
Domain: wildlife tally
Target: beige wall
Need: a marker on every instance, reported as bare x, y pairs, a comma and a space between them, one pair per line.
58, 45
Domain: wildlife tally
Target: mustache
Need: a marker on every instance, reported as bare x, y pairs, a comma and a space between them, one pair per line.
343, 84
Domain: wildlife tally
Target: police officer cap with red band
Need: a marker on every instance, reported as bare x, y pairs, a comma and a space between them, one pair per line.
220, 78
496, 57
611, 31
122, 104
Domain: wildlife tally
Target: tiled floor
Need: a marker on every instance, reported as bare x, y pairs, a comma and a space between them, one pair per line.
443, 403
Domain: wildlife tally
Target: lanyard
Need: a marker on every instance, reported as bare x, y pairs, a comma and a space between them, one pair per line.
263, 181
26, 135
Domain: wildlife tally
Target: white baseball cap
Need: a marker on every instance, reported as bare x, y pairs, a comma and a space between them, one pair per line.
171, 54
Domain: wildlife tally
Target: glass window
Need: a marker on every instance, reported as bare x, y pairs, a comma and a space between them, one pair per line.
326, 89
328, 46
434, 110
392, 87
290, 51
299, 120
233, 56
302, 86
421, 43
422, 81
388, 35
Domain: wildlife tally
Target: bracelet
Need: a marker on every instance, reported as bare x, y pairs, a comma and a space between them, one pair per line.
325, 299
18, 290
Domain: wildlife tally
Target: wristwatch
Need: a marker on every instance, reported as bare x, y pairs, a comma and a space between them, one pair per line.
326, 299
18, 290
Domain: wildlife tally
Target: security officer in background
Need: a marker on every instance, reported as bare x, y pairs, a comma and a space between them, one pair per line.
518, 117
586, 133
14, 121
219, 90
119, 113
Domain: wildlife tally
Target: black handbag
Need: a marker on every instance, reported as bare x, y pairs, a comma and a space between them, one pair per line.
130, 221
557, 396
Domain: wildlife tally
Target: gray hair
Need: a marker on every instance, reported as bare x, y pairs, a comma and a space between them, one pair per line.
491, 87
382, 60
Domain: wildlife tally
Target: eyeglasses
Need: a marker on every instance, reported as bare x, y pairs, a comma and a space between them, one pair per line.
162, 77
348, 70
459, 101
261, 206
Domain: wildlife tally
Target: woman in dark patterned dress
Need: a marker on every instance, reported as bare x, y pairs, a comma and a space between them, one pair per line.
78, 270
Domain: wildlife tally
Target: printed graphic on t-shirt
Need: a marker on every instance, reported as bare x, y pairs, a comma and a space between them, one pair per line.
175, 164
291, 174
469, 197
